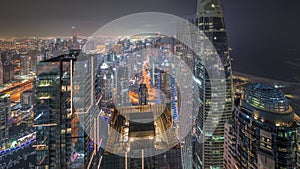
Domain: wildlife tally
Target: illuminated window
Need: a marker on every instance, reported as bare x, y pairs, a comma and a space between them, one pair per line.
69, 130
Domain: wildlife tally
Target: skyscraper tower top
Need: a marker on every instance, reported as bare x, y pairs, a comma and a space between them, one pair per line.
268, 104
209, 7
210, 20
266, 98
263, 132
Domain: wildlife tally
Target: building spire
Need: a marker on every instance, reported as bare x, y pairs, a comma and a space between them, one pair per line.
74, 34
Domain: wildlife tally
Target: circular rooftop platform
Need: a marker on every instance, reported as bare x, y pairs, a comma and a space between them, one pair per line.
267, 98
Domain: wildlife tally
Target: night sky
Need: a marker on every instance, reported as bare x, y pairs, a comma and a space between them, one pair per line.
264, 34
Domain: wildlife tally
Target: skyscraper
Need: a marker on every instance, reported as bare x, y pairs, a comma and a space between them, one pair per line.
138, 146
84, 97
6, 58
27, 98
104, 83
4, 114
74, 35
209, 153
54, 116
264, 131
1, 71
75, 43
25, 64
230, 156
143, 94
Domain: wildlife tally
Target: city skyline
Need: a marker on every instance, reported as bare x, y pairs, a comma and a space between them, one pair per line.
256, 29
155, 84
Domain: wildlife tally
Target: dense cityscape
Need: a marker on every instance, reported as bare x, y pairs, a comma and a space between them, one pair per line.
143, 101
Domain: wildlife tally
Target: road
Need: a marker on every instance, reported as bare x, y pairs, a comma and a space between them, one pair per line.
16, 89
15, 85
16, 93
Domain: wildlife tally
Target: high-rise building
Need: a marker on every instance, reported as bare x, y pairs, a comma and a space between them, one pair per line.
122, 85
74, 35
104, 83
25, 64
8, 71
85, 99
27, 98
230, 161
4, 114
55, 120
7, 66
143, 94
33, 59
137, 129
216, 98
75, 39
1, 72
66, 129
264, 131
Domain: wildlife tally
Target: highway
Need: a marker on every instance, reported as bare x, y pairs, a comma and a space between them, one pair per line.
16, 85
15, 94
16, 89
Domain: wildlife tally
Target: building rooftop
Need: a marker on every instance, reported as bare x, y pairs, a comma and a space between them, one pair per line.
266, 98
268, 104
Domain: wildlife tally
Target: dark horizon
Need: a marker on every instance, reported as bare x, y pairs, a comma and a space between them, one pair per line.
257, 30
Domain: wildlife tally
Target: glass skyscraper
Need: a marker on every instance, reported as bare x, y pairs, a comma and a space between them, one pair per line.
216, 98
61, 141
263, 132
53, 113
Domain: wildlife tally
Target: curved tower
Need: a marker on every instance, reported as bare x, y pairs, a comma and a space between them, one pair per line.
264, 128
209, 153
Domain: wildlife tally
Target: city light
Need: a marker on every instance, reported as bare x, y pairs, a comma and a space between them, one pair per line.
207, 86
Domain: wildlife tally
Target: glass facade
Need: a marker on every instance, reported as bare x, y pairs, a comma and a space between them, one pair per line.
53, 115
215, 93
85, 96
59, 136
263, 138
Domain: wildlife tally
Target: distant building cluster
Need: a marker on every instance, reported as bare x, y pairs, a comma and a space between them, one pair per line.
19, 56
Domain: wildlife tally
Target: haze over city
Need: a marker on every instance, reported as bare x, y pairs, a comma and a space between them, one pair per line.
256, 29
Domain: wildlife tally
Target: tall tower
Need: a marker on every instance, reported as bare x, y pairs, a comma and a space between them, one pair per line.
1, 71
210, 21
4, 114
54, 114
75, 43
263, 132
74, 35
143, 94
25, 64
104, 83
